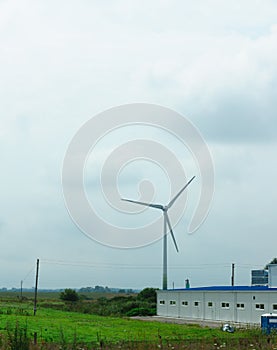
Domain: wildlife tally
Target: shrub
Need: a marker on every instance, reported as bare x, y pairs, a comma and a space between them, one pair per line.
69, 295
148, 294
140, 311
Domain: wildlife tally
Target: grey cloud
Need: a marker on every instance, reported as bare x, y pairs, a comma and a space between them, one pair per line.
236, 119
213, 61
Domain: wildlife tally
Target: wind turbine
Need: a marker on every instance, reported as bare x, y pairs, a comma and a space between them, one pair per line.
164, 208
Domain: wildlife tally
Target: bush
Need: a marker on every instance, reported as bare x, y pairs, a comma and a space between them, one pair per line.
140, 311
69, 295
148, 294
132, 305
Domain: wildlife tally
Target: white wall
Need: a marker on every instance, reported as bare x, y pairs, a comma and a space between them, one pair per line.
272, 275
229, 306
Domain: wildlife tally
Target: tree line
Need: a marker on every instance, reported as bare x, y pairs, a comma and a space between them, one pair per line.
142, 304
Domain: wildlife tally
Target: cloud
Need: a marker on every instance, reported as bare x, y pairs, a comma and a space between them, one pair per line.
228, 87
61, 63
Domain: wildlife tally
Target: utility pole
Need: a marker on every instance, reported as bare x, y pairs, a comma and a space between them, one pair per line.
21, 296
36, 289
233, 275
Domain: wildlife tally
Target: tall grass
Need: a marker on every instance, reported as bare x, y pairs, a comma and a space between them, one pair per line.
17, 338
56, 329
172, 345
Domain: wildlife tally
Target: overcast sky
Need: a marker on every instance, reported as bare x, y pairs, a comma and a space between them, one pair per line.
63, 62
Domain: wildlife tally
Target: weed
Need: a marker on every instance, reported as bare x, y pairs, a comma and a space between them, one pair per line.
63, 341
18, 338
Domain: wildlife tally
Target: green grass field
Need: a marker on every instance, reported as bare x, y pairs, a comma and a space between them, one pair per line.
67, 328
49, 324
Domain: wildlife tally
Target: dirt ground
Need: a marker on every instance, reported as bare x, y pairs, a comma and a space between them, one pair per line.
202, 323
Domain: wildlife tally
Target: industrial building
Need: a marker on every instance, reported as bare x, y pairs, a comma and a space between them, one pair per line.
245, 304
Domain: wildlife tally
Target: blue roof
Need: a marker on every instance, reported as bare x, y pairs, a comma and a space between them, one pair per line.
227, 288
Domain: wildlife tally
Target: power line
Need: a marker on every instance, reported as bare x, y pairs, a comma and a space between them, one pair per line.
28, 274
105, 265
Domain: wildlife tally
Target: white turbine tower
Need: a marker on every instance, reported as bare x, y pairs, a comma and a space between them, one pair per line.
164, 208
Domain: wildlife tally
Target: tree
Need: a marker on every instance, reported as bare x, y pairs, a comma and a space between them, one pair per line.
273, 261
99, 289
148, 294
86, 289
69, 295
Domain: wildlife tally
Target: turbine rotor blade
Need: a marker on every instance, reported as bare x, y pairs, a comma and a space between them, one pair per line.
171, 231
157, 206
179, 193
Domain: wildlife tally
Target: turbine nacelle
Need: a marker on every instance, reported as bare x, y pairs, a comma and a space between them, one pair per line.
164, 208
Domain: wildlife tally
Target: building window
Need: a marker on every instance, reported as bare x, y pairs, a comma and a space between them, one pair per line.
196, 303
274, 306
172, 302
210, 304
240, 306
260, 306
185, 303
162, 302
225, 305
